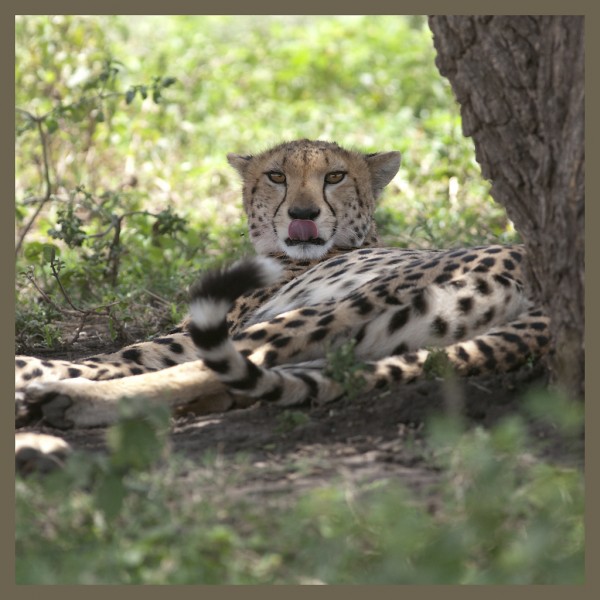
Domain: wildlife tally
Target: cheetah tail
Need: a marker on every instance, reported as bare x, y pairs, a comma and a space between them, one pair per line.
214, 294
212, 298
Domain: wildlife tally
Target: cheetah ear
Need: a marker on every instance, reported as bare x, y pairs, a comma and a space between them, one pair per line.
383, 166
239, 163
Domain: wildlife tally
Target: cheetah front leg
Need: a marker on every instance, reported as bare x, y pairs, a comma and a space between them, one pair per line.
81, 402
143, 357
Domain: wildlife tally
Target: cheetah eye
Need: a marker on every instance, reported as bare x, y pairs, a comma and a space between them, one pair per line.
276, 176
334, 177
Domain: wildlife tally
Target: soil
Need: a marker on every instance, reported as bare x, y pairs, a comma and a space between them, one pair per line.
376, 436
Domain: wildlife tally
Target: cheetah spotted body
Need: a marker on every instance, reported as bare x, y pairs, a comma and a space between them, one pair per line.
260, 329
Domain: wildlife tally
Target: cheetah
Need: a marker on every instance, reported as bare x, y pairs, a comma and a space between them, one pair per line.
261, 328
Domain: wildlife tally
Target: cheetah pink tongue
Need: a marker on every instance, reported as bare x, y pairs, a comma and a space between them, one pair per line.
303, 230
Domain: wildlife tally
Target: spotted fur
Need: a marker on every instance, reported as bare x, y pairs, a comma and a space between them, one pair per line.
260, 329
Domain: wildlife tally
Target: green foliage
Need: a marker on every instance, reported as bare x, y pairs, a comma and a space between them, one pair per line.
437, 364
123, 128
343, 367
556, 411
289, 420
522, 518
136, 441
35, 327
502, 516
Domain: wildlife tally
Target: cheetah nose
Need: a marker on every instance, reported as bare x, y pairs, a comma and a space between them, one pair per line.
304, 212
303, 230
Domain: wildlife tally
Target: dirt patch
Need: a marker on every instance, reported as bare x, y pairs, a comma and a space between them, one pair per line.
376, 436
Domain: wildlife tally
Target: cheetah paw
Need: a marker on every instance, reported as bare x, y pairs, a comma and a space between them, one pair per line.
39, 453
38, 403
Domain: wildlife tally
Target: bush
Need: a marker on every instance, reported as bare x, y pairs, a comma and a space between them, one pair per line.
123, 128
498, 515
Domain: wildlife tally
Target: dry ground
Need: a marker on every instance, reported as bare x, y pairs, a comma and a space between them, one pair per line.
376, 436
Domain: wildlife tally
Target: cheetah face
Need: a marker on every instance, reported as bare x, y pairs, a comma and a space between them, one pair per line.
305, 197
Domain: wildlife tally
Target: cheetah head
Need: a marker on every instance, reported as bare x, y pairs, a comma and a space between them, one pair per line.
305, 197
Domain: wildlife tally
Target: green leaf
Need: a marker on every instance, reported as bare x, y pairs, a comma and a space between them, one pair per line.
40, 252
130, 95
49, 253
20, 212
32, 250
109, 494
51, 125
135, 443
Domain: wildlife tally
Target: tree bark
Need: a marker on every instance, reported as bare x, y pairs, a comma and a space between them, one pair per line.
519, 81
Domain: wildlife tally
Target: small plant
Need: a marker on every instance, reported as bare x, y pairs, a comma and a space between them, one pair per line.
343, 367
87, 261
438, 365
135, 443
288, 420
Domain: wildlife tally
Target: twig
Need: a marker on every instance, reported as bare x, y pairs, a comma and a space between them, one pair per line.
78, 330
114, 252
85, 314
103, 310
36, 199
156, 297
43, 294
39, 122
90, 236
62, 289
98, 310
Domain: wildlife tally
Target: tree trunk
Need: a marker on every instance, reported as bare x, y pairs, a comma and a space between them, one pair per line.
519, 81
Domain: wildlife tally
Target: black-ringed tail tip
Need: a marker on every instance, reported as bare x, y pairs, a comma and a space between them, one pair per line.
212, 296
